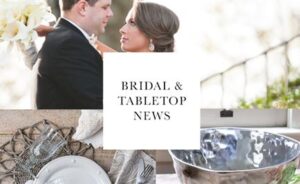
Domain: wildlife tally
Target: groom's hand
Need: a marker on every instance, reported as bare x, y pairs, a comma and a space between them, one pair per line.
43, 30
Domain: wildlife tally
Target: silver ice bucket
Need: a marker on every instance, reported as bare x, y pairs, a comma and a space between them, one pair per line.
236, 156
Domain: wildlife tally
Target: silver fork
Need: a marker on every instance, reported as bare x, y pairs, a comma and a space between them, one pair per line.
144, 176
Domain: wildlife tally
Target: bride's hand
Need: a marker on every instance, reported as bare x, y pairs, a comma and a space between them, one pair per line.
43, 30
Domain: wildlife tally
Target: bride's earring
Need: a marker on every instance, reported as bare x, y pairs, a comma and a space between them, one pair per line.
151, 46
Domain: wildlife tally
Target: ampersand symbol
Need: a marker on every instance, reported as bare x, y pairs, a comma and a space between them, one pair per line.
178, 86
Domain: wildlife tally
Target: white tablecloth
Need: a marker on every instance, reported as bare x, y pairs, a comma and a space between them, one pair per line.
167, 179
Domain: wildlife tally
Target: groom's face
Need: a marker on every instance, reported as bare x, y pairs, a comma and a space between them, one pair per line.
98, 16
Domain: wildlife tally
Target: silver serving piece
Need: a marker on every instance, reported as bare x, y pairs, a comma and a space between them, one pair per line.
236, 156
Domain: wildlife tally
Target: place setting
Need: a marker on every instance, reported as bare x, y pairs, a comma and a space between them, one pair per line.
45, 153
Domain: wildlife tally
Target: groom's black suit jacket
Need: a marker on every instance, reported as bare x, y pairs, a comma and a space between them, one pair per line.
69, 72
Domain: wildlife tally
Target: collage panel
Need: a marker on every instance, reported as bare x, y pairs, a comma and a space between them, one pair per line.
65, 146
55, 60
251, 59
237, 146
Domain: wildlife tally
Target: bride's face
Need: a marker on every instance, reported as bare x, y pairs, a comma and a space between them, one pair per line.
132, 39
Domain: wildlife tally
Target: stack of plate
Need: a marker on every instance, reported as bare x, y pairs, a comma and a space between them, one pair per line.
72, 170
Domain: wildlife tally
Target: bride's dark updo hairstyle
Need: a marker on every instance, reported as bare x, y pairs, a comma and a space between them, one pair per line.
158, 23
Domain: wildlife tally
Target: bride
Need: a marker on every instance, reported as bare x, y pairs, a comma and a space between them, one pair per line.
149, 27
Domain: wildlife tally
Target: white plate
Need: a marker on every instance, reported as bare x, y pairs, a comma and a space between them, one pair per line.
72, 170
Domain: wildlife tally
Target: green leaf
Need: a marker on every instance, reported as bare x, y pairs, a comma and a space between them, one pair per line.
289, 176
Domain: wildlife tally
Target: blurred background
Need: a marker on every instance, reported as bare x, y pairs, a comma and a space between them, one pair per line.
248, 52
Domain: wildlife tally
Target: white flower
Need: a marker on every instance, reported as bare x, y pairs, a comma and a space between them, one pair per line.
19, 18
30, 38
14, 31
37, 14
3, 24
13, 11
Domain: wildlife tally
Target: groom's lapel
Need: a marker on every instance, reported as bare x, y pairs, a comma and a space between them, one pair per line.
65, 23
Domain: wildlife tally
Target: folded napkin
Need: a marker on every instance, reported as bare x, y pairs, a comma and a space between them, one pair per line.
125, 167
90, 128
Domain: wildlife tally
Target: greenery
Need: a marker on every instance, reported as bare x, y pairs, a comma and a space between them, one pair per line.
289, 176
279, 95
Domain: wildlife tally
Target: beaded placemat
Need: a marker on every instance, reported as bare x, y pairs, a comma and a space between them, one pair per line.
13, 150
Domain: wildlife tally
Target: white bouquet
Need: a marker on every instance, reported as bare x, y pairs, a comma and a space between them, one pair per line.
19, 18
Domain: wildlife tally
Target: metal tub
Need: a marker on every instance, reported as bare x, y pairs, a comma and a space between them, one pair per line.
236, 156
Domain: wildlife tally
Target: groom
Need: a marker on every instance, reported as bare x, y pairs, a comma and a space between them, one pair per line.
70, 69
